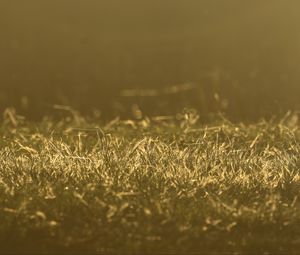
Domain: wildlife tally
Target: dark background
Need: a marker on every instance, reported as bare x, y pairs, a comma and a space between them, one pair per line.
239, 57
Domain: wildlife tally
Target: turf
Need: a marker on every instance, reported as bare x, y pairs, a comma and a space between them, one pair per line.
147, 187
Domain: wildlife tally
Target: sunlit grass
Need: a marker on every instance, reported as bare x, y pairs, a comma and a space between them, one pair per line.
164, 185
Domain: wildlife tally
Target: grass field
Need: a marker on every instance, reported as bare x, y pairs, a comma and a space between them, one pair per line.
152, 186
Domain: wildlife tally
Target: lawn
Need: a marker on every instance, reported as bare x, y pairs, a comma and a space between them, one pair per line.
154, 186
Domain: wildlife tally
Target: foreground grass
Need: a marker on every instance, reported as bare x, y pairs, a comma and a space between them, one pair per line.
149, 188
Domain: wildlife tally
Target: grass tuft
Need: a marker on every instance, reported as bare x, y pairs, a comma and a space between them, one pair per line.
150, 186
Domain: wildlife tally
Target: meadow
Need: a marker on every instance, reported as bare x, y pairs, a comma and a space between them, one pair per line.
160, 185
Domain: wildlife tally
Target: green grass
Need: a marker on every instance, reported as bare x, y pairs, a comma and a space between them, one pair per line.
149, 187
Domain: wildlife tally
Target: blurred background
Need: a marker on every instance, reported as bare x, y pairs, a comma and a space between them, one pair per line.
241, 58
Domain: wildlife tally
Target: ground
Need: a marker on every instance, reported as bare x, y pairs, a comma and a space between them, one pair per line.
147, 187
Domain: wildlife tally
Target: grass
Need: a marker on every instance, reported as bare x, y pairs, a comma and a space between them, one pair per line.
170, 186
